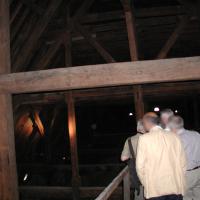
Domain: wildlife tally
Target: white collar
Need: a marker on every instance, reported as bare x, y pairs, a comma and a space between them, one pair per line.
156, 127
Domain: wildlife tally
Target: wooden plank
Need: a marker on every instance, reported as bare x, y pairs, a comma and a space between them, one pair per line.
104, 75
73, 146
127, 192
138, 102
31, 43
8, 174
173, 38
93, 42
107, 192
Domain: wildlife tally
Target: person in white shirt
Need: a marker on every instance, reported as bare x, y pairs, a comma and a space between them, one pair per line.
164, 117
126, 154
160, 162
191, 144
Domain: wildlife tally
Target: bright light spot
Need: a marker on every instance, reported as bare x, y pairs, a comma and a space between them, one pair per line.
156, 109
130, 114
64, 158
176, 111
25, 177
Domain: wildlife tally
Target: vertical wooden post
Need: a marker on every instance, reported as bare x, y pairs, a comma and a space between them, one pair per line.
8, 174
139, 101
126, 188
130, 24
67, 40
73, 146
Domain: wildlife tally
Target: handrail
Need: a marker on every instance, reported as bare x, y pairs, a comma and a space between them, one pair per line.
122, 176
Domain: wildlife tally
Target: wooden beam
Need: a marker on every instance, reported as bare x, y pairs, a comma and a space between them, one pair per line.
93, 42
31, 43
46, 59
8, 174
173, 38
130, 24
68, 40
16, 27
31, 5
83, 9
16, 11
139, 102
103, 75
76, 182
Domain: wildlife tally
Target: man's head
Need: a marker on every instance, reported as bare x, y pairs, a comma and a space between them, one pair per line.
150, 120
140, 127
175, 123
164, 116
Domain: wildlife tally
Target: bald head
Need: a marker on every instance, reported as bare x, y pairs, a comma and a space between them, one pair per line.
150, 120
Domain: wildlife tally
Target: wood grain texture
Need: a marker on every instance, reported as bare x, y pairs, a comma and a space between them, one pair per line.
8, 175
93, 76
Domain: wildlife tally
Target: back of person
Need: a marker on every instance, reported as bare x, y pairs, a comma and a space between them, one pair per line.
191, 143
164, 162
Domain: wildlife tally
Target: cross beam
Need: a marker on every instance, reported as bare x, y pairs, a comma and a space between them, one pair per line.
104, 75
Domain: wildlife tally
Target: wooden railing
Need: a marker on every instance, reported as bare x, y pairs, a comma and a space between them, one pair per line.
122, 176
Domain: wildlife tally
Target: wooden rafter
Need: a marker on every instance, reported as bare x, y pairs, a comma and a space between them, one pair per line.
16, 11
93, 42
31, 43
173, 38
130, 24
83, 9
45, 60
104, 75
31, 5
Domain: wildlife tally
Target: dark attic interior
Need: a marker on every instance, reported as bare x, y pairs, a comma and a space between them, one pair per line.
71, 120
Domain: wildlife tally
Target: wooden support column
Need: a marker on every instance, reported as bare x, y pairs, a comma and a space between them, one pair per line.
139, 101
8, 174
130, 24
68, 40
76, 182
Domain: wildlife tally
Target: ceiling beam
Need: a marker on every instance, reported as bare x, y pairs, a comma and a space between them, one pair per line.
104, 75
173, 38
93, 42
26, 51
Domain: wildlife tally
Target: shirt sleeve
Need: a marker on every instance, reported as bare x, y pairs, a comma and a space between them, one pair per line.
140, 160
125, 152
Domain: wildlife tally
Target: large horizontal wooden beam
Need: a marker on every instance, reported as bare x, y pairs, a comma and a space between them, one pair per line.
104, 75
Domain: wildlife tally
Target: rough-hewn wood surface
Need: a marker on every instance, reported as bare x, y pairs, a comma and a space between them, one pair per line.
140, 72
8, 174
